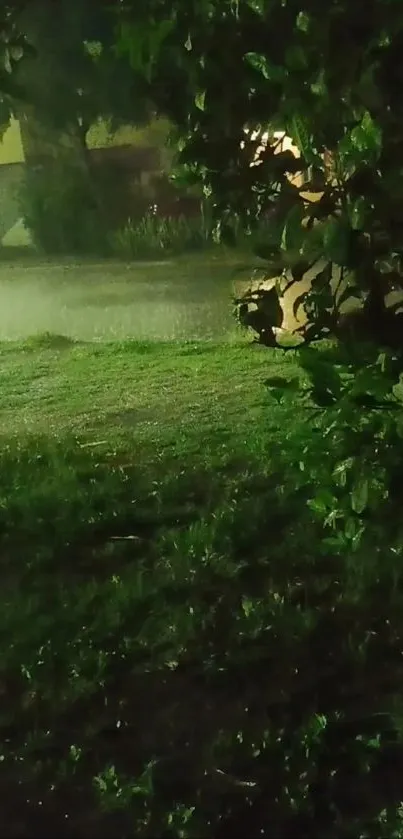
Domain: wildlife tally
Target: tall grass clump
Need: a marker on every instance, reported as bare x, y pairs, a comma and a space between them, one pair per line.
152, 237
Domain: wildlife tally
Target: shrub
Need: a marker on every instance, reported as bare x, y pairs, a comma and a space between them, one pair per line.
62, 211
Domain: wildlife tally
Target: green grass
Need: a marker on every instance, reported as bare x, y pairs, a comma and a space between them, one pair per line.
177, 652
181, 299
152, 236
151, 395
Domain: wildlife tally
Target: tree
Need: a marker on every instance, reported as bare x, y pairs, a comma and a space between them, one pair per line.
13, 46
329, 76
73, 76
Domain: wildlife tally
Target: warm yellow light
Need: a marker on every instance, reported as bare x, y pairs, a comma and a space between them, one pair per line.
280, 140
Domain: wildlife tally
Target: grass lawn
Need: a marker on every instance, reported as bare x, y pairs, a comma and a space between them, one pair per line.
178, 654
113, 300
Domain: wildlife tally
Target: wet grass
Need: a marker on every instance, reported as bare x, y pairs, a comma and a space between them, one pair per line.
178, 656
189, 297
155, 394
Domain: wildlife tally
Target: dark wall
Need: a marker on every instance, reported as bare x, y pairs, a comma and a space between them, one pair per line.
131, 182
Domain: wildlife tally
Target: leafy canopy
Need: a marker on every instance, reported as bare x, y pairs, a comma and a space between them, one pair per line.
59, 59
328, 75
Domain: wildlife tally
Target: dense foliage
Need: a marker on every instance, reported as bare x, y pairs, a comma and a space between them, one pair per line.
73, 75
59, 61
328, 75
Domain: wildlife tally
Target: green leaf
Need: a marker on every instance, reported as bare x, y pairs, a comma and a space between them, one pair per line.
271, 72
258, 6
372, 131
299, 301
336, 241
359, 138
322, 280
384, 39
200, 100
341, 470
370, 381
367, 138
353, 531
358, 212
303, 21
397, 389
359, 496
7, 61
296, 57
143, 42
247, 606
319, 87
278, 394
269, 305
159, 33
312, 247
16, 52
325, 379
293, 233
324, 397
351, 292
298, 129
301, 135
322, 502
382, 362
346, 154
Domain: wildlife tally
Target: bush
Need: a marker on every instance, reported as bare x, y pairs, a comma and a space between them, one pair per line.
154, 237
62, 211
